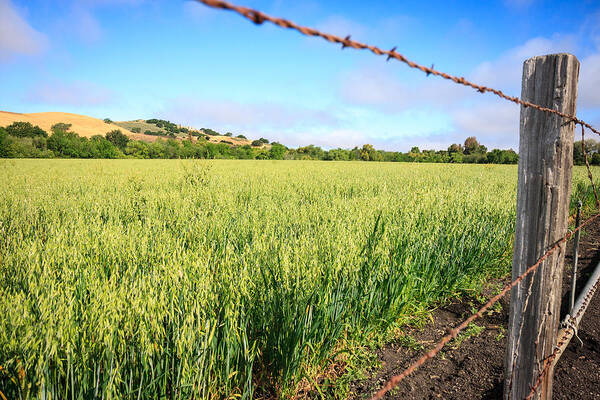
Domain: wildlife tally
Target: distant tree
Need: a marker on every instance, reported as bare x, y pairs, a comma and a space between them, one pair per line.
310, 152
108, 120
229, 134
257, 143
4, 143
241, 136
136, 129
61, 126
25, 129
117, 138
367, 153
591, 147
456, 158
210, 132
277, 151
472, 146
263, 140
415, 150
137, 149
455, 148
338, 155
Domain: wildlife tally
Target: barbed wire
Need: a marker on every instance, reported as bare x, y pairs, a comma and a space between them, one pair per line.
562, 340
395, 380
259, 17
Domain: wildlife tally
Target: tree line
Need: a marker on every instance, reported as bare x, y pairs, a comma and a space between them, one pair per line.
24, 140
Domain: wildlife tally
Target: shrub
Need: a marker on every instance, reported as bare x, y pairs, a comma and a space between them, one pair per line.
257, 143
25, 129
210, 132
241, 137
61, 126
108, 120
117, 138
136, 129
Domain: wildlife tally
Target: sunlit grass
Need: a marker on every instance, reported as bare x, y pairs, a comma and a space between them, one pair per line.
225, 279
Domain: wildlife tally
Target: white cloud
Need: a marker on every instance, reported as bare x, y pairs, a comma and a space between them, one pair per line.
72, 94
16, 35
589, 82
506, 71
494, 121
496, 124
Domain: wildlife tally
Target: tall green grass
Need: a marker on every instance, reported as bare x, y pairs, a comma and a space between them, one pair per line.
227, 279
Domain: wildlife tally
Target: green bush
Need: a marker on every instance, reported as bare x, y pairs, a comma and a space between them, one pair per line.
61, 126
25, 129
117, 138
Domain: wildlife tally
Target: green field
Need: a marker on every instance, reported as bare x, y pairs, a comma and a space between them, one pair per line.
225, 279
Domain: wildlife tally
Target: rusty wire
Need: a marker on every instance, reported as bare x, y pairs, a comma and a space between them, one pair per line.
259, 17
395, 380
549, 361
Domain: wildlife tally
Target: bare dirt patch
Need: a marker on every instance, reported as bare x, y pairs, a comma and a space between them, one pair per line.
474, 368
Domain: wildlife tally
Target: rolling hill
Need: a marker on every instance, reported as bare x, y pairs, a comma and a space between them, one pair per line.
144, 126
81, 124
87, 126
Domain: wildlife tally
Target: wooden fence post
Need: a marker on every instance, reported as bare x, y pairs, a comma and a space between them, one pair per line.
543, 194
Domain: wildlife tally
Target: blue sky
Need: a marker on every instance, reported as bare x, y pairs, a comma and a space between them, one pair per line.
179, 60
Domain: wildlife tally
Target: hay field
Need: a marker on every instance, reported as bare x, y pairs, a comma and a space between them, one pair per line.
229, 279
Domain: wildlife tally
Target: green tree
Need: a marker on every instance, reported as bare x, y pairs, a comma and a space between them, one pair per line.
472, 146
277, 151
117, 138
367, 153
61, 126
4, 143
455, 148
25, 129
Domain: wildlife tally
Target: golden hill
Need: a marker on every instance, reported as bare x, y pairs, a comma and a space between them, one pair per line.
80, 124
89, 126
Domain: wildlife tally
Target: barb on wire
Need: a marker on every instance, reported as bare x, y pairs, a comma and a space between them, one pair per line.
259, 17
395, 380
561, 341
587, 164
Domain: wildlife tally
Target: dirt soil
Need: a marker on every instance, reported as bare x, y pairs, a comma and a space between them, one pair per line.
474, 369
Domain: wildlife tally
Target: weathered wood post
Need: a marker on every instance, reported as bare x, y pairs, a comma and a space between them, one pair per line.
543, 194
